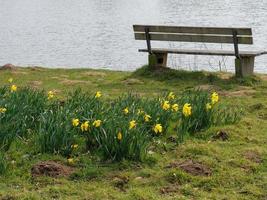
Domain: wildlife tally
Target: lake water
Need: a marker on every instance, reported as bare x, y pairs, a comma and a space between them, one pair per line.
98, 33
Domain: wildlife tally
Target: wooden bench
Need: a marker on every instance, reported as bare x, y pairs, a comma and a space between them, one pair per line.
244, 62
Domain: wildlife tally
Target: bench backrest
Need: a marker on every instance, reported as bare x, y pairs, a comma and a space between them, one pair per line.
193, 34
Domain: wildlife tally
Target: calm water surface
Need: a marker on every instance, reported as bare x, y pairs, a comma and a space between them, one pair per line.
98, 33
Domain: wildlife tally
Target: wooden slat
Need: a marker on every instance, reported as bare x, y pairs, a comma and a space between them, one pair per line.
193, 30
205, 52
195, 38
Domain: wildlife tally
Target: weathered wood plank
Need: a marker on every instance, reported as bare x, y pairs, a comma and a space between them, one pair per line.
205, 52
193, 30
194, 38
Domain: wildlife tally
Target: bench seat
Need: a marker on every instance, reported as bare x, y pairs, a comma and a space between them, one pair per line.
157, 57
205, 52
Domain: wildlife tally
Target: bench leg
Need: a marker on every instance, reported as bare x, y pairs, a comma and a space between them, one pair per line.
244, 66
157, 60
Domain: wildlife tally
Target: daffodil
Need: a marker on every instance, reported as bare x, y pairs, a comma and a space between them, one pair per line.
75, 122
97, 123
139, 112
2, 110
166, 105
50, 95
10, 80
70, 161
187, 110
208, 106
171, 96
98, 94
147, 118
74, 146
175, 107
85, 126
158, 128
132, 124
126, 110
214, 98
119, 136
13, 88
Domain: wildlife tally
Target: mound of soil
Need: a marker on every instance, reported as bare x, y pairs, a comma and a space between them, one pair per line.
51, 168
192, 167
7, 67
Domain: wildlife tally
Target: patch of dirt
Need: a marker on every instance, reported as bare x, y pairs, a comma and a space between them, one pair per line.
51, 168
121, 182
192, 167
225, 76
264, 77
169, 189
35, 84
253, 156
73, 82
240, 92
207, 87
98, 74
132, 81
221, 135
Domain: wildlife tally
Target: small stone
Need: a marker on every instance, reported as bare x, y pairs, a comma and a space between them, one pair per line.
138, 178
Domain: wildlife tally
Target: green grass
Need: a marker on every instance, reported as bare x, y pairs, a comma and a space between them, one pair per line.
233, 175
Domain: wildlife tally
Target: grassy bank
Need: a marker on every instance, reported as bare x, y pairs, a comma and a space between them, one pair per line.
237, 166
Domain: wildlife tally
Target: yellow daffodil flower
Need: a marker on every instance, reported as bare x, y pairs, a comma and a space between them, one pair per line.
119, 136
126, 110
166, 105
208, 106
175, 107
50, 95
74, 146
132, 124
13, 88
2, 110
171, 96
98, 94
214, 98
85, 126
158, 128
97, 123
70, 161
75, 122
10, 80
147, 118
187, 110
